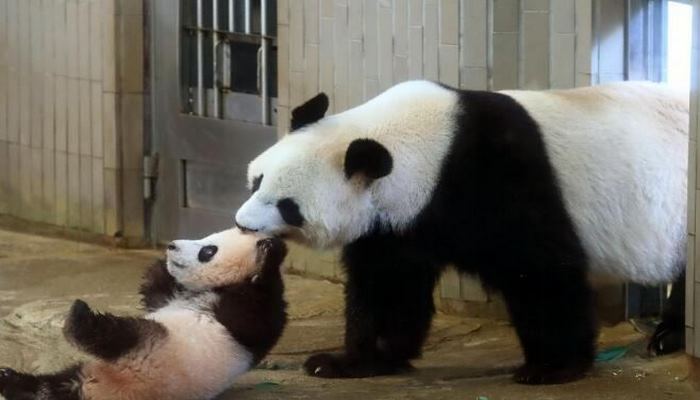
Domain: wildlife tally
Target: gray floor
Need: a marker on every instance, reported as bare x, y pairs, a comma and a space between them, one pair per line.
464, 358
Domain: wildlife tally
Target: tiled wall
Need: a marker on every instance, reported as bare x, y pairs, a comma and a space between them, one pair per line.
354, 49
71, 113
692, 304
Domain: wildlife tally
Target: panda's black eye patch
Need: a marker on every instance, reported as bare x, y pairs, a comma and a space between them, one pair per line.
256, 183
206, 253
289, 210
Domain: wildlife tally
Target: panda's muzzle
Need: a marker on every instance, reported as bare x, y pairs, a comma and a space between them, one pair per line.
243, 228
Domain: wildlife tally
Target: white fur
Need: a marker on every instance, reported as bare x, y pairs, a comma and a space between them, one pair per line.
198, 359
619, 152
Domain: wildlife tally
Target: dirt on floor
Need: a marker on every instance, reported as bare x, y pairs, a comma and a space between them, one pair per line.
463, 359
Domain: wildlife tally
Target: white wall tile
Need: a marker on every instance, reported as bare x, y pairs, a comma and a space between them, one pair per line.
535, 50
475, 33
370, 41
311, 10
385, 47
563, 61
431, 40
400, 22
449, 22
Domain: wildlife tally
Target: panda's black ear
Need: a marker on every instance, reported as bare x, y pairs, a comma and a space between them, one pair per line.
369, 158
309, 112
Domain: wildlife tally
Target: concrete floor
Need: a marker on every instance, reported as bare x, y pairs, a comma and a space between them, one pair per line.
464, 358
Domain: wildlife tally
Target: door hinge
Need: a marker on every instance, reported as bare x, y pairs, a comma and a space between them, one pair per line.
150, 175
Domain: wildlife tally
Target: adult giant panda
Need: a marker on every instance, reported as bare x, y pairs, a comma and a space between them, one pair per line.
532, 191
215, 309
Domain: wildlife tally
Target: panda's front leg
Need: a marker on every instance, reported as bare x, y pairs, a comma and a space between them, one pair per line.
389, 307
551, 307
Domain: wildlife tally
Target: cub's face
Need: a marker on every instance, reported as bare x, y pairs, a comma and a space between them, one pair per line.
223, 258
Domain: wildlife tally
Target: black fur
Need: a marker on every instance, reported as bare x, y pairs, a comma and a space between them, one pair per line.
108, 336
389, 306
309, 112
158, 286
669, 335
369, 158
497, 211
64, 385
289, 210
254, 311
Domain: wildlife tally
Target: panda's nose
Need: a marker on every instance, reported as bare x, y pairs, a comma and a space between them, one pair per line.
206, 253
172, 246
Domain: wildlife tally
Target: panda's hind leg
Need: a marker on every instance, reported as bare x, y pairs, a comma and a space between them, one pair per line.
65, 385
669, 335
108, 336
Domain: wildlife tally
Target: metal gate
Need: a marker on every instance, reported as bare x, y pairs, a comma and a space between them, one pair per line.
213, 100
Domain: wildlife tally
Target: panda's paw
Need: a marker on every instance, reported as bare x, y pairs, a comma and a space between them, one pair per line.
340, 366
532, 374
667, 338
324, 365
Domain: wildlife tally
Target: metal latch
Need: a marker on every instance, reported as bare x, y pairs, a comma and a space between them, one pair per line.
150, 174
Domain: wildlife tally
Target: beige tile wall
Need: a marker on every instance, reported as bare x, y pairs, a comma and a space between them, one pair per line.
692, 304
353, 49
71, 113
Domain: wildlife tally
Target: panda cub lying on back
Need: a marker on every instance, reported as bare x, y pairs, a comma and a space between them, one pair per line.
215, 307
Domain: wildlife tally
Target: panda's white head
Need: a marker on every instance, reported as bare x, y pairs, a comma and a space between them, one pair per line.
223, 258
314, 185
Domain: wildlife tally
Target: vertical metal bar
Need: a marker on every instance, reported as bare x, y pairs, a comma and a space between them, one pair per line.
214, 43
265, 100
231, 16
200, 60
247, 17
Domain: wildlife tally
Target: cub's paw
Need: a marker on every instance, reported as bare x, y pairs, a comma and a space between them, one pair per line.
666, 339
543, 375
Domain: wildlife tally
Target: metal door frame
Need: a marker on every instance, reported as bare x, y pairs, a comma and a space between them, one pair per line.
178, 136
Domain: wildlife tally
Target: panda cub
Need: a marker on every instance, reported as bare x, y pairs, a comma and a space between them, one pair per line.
216, 308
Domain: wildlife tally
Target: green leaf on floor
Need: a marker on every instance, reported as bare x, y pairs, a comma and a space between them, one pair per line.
611, 354
267, 385
482, 398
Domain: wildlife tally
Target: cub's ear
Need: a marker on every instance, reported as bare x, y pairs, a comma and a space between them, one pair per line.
309, 112
369, 158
